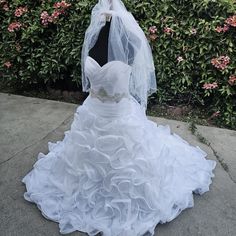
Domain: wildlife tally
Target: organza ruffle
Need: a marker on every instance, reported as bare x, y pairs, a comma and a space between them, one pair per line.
120, 176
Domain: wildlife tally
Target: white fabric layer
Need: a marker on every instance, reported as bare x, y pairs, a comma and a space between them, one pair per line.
115, 171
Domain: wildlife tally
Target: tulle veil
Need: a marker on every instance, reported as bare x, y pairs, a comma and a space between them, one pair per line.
125, 34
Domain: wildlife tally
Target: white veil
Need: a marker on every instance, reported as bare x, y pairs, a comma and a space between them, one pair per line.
127, 43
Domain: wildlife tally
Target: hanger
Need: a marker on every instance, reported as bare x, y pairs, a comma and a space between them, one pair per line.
108, 16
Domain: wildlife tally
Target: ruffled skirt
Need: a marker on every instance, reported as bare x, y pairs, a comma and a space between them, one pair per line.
116, 172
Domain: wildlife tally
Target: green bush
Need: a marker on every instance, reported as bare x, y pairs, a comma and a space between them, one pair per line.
39, 51
193, 46
190, 31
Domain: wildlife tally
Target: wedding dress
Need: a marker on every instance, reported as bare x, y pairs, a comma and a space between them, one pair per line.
115, 171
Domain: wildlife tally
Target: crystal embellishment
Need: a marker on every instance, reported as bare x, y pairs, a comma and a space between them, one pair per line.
103, 96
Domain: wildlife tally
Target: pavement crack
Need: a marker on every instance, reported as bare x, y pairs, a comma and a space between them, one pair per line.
194, 130
34, 143
222, 163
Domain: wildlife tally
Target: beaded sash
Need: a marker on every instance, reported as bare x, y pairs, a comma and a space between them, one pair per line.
103, 96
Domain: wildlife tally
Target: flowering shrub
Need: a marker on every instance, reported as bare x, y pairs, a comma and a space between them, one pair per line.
193, 43
40, 41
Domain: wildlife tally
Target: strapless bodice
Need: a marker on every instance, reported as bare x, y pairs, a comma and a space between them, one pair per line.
110, 82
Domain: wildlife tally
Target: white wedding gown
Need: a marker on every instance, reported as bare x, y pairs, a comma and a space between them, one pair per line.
115, 171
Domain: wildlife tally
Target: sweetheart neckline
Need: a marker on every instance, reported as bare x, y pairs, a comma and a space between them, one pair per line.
106, 63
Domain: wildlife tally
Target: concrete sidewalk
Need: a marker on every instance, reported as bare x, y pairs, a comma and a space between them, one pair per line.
28, 124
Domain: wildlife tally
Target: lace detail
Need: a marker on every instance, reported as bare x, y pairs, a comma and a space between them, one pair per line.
102, 95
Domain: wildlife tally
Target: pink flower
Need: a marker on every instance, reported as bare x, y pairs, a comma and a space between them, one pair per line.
44, 15
44, 18
50, 19
193, 31
168, 30
55, 14
231, 21
179, 59
232, 80
220, 62
20, 11
14, 26
57, 5
225, 28
62, 4
210, 86
152, 30
220, 29
7, 64
5, 7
